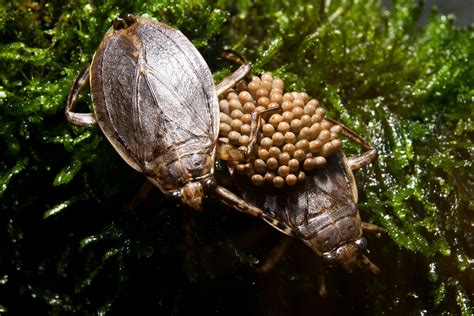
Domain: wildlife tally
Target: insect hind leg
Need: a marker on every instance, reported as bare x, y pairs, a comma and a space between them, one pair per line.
365, 158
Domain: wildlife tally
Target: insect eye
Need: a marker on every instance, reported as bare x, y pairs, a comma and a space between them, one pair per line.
330, 258
361, 243
209, 185
118, 23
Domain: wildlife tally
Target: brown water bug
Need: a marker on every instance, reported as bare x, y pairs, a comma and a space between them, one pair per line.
155, 100
321, 210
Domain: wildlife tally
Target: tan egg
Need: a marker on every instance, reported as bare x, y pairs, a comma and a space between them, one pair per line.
236, 125
260, 166
283, 171
284, 158
334, 136
283, 127
249, 107
257, 180
278, 83
324, 136
232, 95
268, 177
303, 96
253, 86
288, 97
286, 106
327, 149
262, 92
263, 101
299, 155
244, 96
309, 155
336, 143
306, 120
256, 79
246, 118
272, 163
240, 168
268, 130
277, 90
301, 176
276, 97
309, 109
314, 131
224, 106
274, 152
224, 118
244, 140
320, 161
263, 154
313, 102
304, 133
287, 116
293, 165
275, 119
266, 77
290, 137
303, 145
275, 107
278, 182
316, 118
289, 148
326, 125
224, 129
336, 129
291, 179
236, 114
234, 137
260, 109
266, 143
309, 164
321, 112
315, 146
296, 126
297, 111
266, 84
278, 139
300, 104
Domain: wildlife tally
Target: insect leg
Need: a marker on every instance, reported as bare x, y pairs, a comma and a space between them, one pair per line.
79, 119
232, 200
276, 254
231, 80
141, 195
365, 158
372, 228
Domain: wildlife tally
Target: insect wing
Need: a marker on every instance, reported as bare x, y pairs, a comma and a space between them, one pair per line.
310, 205
153, 95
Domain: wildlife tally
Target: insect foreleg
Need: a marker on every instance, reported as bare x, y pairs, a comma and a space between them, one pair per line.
79, 119
232, 200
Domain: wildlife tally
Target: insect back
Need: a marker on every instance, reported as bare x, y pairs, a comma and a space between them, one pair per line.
155, 100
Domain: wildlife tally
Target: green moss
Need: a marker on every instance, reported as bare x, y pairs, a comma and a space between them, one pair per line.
69, 243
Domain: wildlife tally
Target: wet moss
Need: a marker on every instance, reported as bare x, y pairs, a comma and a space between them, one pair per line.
71, 245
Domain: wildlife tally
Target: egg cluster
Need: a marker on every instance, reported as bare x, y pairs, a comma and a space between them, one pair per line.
294, 137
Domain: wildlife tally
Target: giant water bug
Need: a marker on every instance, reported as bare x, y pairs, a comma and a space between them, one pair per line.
321, 211
155, 100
